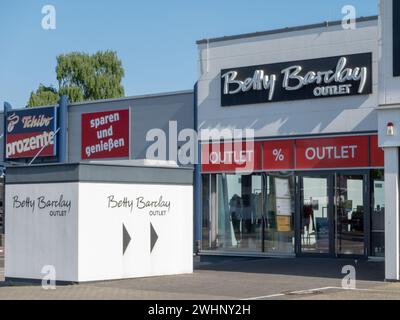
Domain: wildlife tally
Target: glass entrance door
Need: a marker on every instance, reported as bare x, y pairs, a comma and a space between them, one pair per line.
315, 214
350, 214
333, 208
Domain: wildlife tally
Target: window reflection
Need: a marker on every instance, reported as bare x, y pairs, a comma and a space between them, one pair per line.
279, 231
378, 214
253, 213
314, 215
350, 214
239, 213
256, 213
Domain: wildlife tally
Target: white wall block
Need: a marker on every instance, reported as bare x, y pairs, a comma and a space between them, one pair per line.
40, 233
109, 231
392, 219
101, 226
389, 114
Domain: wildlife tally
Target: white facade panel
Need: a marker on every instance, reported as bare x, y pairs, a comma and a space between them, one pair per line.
101, 255
389, 92
301, 117
392, 219
42, 230
146, 230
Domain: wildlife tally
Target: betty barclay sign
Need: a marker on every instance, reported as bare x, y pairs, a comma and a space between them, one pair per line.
31, 131
319, 78
154, 207
59, 207
105, 135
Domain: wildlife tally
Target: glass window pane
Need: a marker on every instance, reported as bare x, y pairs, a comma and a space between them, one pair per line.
378, 214
378, 244
1, 213
280, 209
205, 204
350, 214
315, 215
239, 215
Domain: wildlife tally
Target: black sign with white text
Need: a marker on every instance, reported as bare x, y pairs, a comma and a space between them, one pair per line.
347, 75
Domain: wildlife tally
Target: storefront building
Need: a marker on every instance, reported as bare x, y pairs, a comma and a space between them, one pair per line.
389, 128
310, 182
112, 130
299, 140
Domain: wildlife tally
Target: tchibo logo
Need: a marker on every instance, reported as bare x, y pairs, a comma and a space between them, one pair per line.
31, 132
28, 122
12, 121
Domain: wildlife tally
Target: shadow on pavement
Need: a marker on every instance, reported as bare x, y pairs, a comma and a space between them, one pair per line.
303, 267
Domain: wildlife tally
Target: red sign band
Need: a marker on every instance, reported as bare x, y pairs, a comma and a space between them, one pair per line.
296, 154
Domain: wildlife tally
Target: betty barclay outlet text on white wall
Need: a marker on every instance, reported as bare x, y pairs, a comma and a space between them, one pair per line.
159, 207
55, 207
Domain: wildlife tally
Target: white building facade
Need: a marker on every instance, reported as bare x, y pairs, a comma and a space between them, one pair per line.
389, 126
310, 178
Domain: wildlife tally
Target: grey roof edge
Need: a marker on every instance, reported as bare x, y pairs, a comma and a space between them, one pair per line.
283, 30
138, 97
103, 164
95, 173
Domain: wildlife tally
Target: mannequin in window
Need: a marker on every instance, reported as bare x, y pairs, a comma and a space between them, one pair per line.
235, 211
308, 216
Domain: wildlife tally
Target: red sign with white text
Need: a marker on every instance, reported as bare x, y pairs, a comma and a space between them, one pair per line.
377, 153
231, 157
105, 135
299, 154
278, 155
31, 133
324, 153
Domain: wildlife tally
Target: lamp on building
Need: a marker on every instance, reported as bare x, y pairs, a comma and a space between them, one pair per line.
390, 129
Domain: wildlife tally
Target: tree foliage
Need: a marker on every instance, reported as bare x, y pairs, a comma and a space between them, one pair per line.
85, 77
44, 96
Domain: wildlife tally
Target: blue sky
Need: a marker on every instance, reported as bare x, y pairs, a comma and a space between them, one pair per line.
155, 39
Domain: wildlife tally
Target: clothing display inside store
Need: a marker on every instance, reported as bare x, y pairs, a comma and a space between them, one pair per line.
255, 213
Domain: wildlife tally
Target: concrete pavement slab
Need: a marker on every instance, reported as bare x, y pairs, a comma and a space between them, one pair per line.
232, 279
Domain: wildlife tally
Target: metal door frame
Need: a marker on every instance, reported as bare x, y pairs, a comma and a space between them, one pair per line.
299, 186
367, 211
331, 176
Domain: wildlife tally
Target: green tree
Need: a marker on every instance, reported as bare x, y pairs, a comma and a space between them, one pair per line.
85, 77
44, 96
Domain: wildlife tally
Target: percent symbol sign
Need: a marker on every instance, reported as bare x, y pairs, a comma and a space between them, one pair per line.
279, 156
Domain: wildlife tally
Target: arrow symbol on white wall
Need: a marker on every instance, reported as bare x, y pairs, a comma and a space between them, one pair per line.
126, 239
153, 237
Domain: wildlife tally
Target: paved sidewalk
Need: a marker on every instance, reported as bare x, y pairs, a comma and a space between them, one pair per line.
232, 280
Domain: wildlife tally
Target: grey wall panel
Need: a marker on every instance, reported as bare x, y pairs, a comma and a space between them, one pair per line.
98, 173
42, 174
147, 113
